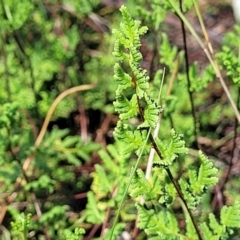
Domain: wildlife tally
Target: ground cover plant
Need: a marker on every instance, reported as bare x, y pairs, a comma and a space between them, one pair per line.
109, 130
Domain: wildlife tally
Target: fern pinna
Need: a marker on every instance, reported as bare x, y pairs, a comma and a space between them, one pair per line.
165, 190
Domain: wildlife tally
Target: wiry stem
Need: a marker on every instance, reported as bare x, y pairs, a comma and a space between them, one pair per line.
190, 92
169, 173
210, 57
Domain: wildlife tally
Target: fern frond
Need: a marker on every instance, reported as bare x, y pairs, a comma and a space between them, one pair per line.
126, 108
118, 53
192, 200
171, 150
167, 52
198, 181
215, 226
131, 28
229, 218
141, 80
128, 23
230, 215
191, 231
151, 113
92, 212
135, 55
108, 162
140, 186
123, 79
205, 177
162, 223
133, 139
207, 233
102, 183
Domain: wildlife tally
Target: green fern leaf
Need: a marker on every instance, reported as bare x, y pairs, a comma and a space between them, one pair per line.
141, 79
171, 150
205, 177
135, 55
102, 182
142, 30
131, 28
126, 108
118, 53
133, 139
191, 231
123, 79
230, 215
151, 113
140, 186
162, 224
207, 233
108, 162
192, 200
92, 213
215, 226
128, 22
167, 52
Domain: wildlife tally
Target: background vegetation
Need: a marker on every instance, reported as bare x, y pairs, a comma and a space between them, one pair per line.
61, 179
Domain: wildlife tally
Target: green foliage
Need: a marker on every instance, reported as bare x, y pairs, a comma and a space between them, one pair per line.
161, 223
159, 191
71, 191
14, 14
205, 177
21, 225
171, 149
74, 235
167, 59
82, 8
140, 186
128, 38
92, 213
224, 229
228, 59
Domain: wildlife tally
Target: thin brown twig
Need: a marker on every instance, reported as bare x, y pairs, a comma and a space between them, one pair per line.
190, 92
215, 64
210, 57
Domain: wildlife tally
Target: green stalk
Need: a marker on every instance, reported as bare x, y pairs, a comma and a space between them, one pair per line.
128, 185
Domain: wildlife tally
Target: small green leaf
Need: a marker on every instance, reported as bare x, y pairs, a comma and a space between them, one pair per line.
205, 177
230, 215
171, 149
151, 113
141, 79
92, 213
126, 108
123, 79
72, 159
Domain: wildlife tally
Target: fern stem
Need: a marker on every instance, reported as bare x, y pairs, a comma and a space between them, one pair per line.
129, 183
169, 173
178, 189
